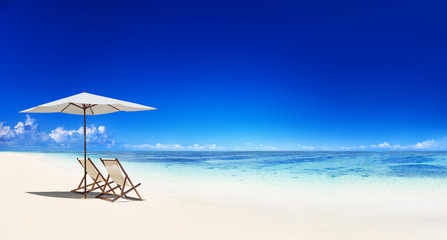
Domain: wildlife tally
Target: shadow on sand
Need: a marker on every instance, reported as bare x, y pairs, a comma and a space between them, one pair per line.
67, 194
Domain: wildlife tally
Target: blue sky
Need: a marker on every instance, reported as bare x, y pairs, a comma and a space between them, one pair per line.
228, 75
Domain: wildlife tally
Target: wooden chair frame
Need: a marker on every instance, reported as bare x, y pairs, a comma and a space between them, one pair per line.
96, 181
121, 188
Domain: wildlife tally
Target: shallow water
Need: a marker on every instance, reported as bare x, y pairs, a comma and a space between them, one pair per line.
284, 165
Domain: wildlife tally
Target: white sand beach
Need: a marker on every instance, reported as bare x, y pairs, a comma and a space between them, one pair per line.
36, 203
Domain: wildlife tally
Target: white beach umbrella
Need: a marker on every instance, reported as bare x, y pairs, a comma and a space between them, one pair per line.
87, 104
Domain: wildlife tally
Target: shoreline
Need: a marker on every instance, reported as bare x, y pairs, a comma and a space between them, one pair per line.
37, 196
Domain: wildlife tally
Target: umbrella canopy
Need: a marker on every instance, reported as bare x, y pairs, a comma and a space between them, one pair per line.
87, 104
94, 104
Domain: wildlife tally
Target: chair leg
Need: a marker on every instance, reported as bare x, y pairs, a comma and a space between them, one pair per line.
79, 186
118, 196
123, 191
108, 192
95, 182
121, 194
135, 189
103, 190
82, 187
110, 187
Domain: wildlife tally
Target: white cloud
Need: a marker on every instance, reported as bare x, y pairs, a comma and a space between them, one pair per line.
400, 147
324, 148
430, 144
267, 147
111, 144
425, 145
5, 131
255, 147
63, 136
197, 147
23, 133
27, 133
305, 148
174, 147
384, 145
19, 128
381, 145
95, 135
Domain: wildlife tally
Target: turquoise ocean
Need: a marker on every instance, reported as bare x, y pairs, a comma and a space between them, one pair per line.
288, 166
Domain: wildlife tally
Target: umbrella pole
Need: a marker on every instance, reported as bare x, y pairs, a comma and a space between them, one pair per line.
85, 157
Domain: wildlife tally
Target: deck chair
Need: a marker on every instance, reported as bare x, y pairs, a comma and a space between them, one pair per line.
95, 174
121, 179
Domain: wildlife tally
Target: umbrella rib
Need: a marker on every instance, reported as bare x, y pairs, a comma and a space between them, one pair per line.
113, 107
65, 107
77, 105
91, 107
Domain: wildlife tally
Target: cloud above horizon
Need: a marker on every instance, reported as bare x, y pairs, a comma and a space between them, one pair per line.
27, 134
95, 135
425, 145
255, 147
174, 147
